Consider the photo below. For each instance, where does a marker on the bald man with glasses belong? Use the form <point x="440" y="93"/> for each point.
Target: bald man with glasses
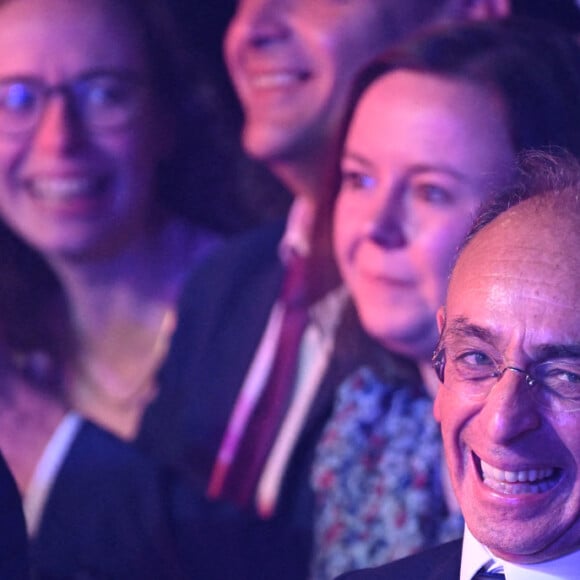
<point x="509" y="404"/>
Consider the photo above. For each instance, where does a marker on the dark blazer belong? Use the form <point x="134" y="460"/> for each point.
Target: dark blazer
<point x="222" y="316"/>
<point x="106" y="516"/>
<point x="13" y="542"/>
<point x="440" y="563"/>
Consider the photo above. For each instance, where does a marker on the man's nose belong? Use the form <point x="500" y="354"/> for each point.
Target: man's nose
<point x="266" y="22"/>
<point x="510" y="410"/>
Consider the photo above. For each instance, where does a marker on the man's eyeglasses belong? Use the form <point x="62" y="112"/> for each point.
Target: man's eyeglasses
<point x="102" y="101"/>
<point x="553" y="384"/>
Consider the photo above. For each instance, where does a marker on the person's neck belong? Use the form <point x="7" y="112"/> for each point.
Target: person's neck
<point x="148" y="269"/>
<point x="309" y="179"/>
<point x="306" y="175"/>
<point x="123" y="312"/>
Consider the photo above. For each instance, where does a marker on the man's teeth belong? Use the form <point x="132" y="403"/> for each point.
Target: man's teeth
<point x="518" y="482"/>
<point x="63" y="188"/>
<point x="274" y="80"/>
<point x="528" y="475"/>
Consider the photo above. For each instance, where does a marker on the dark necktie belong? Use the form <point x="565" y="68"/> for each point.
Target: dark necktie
<point x="483" y="575"/>
<point x="263" y="426"/>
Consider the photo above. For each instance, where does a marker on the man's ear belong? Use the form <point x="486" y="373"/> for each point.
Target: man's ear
<point x="440" y="324"/>
<point x="436" y="403"/>
<point x="440" y="318"/>
<point x="486" y="9"/>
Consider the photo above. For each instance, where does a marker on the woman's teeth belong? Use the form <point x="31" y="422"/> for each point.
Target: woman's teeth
<point x="58" y="188"/>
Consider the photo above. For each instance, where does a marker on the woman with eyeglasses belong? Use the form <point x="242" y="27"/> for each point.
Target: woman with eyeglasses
<point x="108" y="168"/>
<point x="434" y="129"/>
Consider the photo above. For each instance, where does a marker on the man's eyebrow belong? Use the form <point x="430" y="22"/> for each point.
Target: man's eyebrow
<point x="551" y="351"/>
<point x="460" y="327"/>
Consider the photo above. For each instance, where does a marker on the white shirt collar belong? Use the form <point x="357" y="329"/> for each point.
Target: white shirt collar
<point x="475" y="555"/>
<point x="47" y="470"/>
<point x="299" y="228"/>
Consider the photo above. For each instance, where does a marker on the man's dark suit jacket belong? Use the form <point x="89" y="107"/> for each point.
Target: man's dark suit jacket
<point x="13" y="542"/>
<point x="106" y="517"/>
<point x="222" y="317"/>
<point x="440" y="563"/>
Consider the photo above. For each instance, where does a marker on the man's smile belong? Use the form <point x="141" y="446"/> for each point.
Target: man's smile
<point x="518" y="481"/>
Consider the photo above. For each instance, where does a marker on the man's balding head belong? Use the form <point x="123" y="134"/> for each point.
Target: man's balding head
<point x="509" y="357"/>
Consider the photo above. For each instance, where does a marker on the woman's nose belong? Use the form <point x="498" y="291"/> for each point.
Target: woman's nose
<point x="60" y="127"/>
<point x="387" y="224"/>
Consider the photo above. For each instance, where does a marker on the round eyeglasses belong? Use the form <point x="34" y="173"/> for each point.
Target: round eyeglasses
<point x="102" y="101"/>
<point x="553" y="384"/>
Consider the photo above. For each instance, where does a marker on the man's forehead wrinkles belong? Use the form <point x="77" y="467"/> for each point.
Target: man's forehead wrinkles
<point x="549" y="289"/>
<point x="461" y="327"/>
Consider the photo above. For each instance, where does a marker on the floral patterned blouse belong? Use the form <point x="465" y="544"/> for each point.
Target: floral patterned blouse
<point x="376" y="477"/>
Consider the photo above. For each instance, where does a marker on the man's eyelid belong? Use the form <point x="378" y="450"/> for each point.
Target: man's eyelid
<point x="470" y="350"/>
<point x="566" y="365"/>
<point x="461" y="343"/>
